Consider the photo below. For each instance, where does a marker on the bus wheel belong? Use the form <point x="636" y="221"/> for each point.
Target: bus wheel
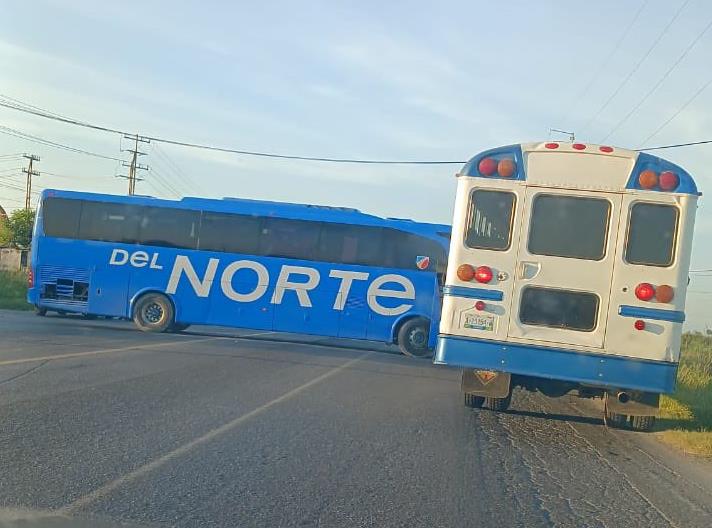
<point x="153" y="313"/>
<point x="642" y="423"/>
<point x="474" y="401"/>
<point x="498" y="404"/>
<point x="413" y="338"/>
<point x="40" y="311"/>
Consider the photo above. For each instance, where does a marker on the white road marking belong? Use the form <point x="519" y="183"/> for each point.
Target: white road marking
<point x="207" y="437"/>
<point x="101" y="351"/>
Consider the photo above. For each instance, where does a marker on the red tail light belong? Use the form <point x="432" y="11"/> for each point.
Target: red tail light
<point x="30" y="278"/>
<point x="668" y="180"/>
<point x="465" y="272"/>
<point x="639" y="324"/>
<point x="483" y="274"/>
<point x="480" y="305"/>
<point x="488" y="166"/>
<point x="645" y="291"/>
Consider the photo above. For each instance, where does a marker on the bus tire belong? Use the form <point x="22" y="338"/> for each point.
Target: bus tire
<point x="413" y="338"/>
<point x="153" y="312"/>
<point x="40" y="312"/>
<point x="642" y="424"/>
<point x="474" y="401"/>
<point x="498" y="404"/>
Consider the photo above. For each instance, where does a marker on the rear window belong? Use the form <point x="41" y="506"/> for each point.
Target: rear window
<point x="489" y="220"/>
<point x="571" y="310"/>
<point x="651" y="234"/>
<point x="569" y="226"/>
<point x="61" y="217"/>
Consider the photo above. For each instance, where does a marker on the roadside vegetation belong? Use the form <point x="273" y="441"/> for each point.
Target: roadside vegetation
<point x="13" y="290"/>
<point x="686" y="416"/>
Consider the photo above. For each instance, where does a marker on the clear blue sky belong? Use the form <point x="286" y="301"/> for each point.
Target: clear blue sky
<point x="409" y="80"/>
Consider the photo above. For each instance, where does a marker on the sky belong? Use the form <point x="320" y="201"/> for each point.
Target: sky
<point x="362" y="79"/>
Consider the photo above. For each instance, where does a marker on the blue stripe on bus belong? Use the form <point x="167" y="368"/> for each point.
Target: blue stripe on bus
<point x="651" y="313"/>
<point x="473" y="293"/>
<point x="557" y="363"/>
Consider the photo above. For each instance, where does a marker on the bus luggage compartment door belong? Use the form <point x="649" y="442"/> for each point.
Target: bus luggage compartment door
<point x="564" y="266"/>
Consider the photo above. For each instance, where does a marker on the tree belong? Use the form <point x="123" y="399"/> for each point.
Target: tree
<point x="20" y="224"/>
<point x="5" y="233"/>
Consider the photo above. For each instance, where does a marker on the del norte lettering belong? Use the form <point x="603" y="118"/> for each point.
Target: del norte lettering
<point x="298" y="279"/>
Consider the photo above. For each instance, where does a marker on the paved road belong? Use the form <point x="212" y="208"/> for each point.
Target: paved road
<point x="102" y="424"/>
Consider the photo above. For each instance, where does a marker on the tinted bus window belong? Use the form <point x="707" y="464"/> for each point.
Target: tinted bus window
<point x="568" y="226"/>
<point x="110" y="222"/>
<point x="559" y="308"/>
<point x="350" y="244"/>
<point x="230" y="233"/>
<point x="403" y="249"/>
<point x="161" y="226"/>
<point x="61" y="217"/>
<point x="651" y="234"/>
<point x="297" y="239"/>
<point x="489" y="221"/>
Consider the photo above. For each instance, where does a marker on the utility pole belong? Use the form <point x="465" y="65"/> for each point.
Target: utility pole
<point x="30" y="173"/>
<point x="133" y="165"/>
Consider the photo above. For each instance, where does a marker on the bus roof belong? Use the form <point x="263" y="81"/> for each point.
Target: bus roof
<point x="581" y="165"/>
<point x="246" y="206"/>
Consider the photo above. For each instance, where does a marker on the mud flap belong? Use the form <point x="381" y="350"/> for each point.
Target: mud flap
<point x="489" y="383"/>
<point x="639" y="404"/>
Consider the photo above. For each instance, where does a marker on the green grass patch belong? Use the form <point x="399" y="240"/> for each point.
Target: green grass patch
<point x="13" y="290"/>
<point x="686" y="415"/>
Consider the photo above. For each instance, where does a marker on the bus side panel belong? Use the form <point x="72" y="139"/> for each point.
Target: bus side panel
<point x="320" y="318"/>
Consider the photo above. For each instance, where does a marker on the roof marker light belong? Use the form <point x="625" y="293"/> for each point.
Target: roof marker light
<point x="605" y="149"/>
<point x="552" y="145"/>
<point x="578" y="146"/>
<point x="648" y="179"/>
<point x="668" y="180"/>
<point x="506" y="168"/>
<point x="487" y="166"/>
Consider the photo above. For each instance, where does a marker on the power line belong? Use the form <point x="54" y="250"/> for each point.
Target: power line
<point x="679" y="111"/>
<point x="677" y="145"/>
<point x="605" y="61"/>
<point x="659" y="82"/>
<point x="701" y="271"/>
<point x="636" y="67"/>
<point x="42" y="141"/>
<point x="226" y="149"/>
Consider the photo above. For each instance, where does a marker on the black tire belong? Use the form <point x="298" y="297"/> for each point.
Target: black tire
<point x="642" y="424"/>
<point x="179" y="327"/>
<point x="619" y="421"/>
<point x="413" y="338"/>
<point x="474" y="401"/>
<point x="40" y="312"/>
<point x="153" y="312"/>
<point x="498" y="404"/>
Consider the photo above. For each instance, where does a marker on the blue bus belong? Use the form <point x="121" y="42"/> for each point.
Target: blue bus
<point x="262" y="265"/>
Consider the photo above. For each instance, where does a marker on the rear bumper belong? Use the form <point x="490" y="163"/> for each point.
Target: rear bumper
<point x="555" y="363"/>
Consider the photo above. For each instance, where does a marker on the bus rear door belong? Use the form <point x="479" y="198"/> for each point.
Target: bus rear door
<point x="568" y="241"/>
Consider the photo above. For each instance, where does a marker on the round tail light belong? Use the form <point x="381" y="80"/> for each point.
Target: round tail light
<point x="645" y="291"/>
<point x="639" y="324"/>
<point x="668" y="180"/>
<point x="488" y="166"/>
<point x="480" y="305"/>
<point x="648" y="179"/>
<point x="506" y="168"/>
<point x="465" y="272"/>
<point x="664" y="293"/>
<point x="483" y="274"/>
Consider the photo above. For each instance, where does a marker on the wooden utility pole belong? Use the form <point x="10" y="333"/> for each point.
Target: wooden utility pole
<point x="30" y="173"/>
<point x="133" y="165"/>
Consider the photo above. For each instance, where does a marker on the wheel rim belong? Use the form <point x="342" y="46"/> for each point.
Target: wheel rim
<point x="152" y="313"/>
<point x="417" y="338"/>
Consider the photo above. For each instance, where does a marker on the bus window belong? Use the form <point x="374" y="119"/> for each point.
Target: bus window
<point x="651" y="234"/>
<point x="490" y="218"/>
<point x="402" y="250"/>
<point x="61" y="217"/>
<point x="166" y="227"/>
<point x="110" y="222"/>
<point x="350" y="244"/>
<point x="569" y="226"/>
<point x="296" y="239"/>
<point x="230" y="233"/>
<point x="558" y="308"/>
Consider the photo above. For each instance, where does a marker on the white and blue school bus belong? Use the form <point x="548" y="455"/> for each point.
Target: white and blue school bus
<point x="262" y="265"/>
<point x="567" y="273"/>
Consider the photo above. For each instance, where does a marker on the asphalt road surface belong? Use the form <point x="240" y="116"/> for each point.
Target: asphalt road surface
<point x="102" y="425"/>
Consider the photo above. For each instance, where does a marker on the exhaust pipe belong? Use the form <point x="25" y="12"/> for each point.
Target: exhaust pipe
<point x="623" y="397"/>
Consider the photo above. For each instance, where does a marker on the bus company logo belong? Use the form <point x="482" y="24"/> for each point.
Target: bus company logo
<point x="299" y="280"/>
<point x="422" y="262"/>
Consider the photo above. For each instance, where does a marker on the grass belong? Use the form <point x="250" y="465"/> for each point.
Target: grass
<point x="13" y="290"/>
<point x="686" y="415"/>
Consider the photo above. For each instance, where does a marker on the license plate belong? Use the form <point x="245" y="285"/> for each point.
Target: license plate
<point x="479" y="322"/>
